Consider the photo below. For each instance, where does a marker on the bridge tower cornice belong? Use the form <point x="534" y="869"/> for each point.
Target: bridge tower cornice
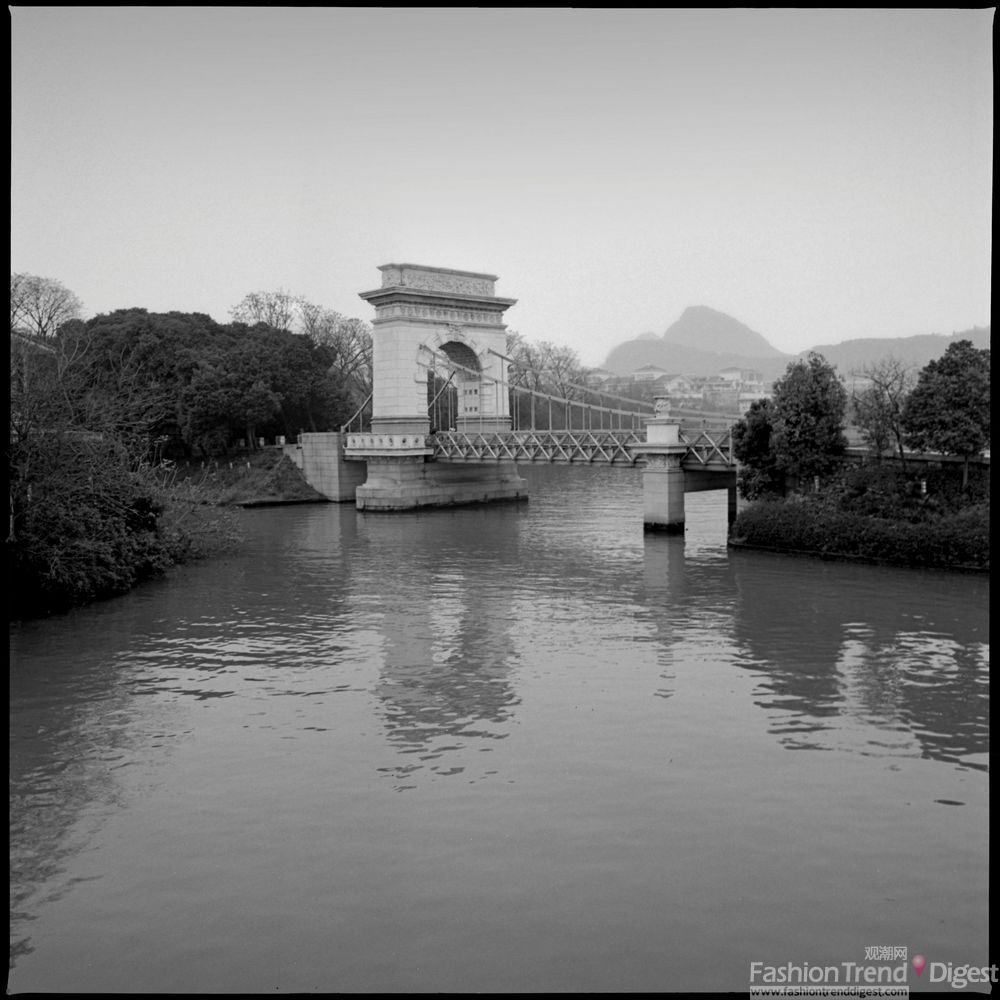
<point x="424" y="295"/>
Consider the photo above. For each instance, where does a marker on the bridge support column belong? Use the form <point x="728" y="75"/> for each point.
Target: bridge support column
<point x="663" y="479"/>
<point x="663" y="492"/>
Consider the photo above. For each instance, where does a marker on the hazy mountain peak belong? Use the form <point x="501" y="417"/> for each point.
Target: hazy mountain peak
<point x="710" y="330"/>
<point x="702" y="342"/>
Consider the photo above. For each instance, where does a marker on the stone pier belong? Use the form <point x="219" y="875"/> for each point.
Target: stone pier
<point x="663" y="478"/>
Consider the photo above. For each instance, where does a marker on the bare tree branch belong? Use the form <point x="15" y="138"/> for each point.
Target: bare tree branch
<point x="39" y="306"/>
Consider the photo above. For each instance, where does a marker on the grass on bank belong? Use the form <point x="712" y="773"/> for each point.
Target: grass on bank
<point x="263" y="477"/>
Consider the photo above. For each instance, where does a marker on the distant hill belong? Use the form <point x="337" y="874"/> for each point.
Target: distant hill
<point x="709" y="329"/>
<point x="852" y="355"/>
<point x="701" y="342"/>
<point x="704" y="340"/>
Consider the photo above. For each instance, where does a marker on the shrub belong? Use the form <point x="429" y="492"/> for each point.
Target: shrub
<point x="816" y="525"/>
<point x="86" y="523"/>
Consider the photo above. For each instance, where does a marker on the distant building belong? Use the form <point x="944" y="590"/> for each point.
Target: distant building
<point x="649" y="373"/>
<point x="747" y="383"/>
<point x="681" y="387"/>
<point x="742" y="376"/>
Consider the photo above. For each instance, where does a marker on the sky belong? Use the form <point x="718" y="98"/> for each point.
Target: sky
<point x="818" y="175"/>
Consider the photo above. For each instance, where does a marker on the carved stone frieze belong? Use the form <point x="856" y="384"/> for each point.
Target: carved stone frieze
<point x="436" y="313"/>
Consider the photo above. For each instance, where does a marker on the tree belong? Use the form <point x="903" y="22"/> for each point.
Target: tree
<point x="526" y="368"/>
<point x="39" y="306"/>
<point x="758" y="475"/>
<point x="277" y="309"/>
<point x="88" y="515"/>
<point x="547" y="368"/>
<point x="809" y="405"/>
<point x="878" y="408"/>
<point x="949" y="410"/>
<point x="236" y="391"/>
<point x="544" y="366"/>
<point x="138" y="367"/>
<point x="349" y="342"/>
<point x="305" y="376"/>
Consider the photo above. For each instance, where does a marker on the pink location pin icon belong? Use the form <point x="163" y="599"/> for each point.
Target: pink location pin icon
<point x="919" y="963"/>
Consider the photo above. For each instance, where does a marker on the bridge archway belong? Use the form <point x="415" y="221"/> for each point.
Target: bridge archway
<point x="462" y="354"/>
<point x="456" y="386"/>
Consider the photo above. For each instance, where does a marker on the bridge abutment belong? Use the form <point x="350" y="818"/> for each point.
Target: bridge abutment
<point x="320" y="458"/>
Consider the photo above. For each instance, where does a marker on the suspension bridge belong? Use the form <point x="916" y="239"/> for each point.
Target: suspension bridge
<point x="451" y="415"/>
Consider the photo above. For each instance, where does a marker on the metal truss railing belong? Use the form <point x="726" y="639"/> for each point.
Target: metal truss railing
<point x="583" y="446"/>
<point x="704" y="449"/>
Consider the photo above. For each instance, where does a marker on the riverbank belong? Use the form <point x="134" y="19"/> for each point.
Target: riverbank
<point x="265" y="478"/>
<point x="73" y="549"/>
<point x="850" y="557"/>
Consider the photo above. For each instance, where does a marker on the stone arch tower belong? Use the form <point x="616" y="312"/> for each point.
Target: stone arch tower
<point x="426" y="316"/>
<point x="422" y="309"/>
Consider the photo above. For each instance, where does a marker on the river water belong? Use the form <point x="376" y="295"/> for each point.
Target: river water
<point x="511" y="748"/>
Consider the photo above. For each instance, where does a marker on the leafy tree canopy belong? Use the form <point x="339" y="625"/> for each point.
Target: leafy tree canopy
<point x="949" y="410"/>
<point x="810" y="403"/>
<point x="192" y="384"/>
<point x="759" y="475"/>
